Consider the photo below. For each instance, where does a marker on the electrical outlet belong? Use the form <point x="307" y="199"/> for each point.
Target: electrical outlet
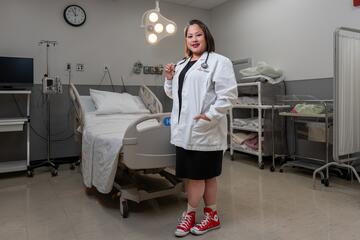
<point x="79" y="67"/>
<point x="68" y="66"/>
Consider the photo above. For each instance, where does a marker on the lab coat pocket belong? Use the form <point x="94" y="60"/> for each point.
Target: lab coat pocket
<point x="205" y="133"/>
<point x="203" y="126"/>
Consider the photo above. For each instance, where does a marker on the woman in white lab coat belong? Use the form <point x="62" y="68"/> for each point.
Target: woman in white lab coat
<point x="202" y="87"/>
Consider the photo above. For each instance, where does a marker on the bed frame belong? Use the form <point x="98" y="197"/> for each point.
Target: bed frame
<point x="144" y="164"/>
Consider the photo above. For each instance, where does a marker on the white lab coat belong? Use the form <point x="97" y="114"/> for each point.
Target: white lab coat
<point x="209" y="91"/>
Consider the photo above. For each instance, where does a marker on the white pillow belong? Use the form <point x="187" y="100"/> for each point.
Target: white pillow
<point x="87" y="104"/>
<point x="111" y="102"/>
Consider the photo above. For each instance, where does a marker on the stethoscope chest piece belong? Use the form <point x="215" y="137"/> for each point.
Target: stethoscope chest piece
<point x="204" y="65"/>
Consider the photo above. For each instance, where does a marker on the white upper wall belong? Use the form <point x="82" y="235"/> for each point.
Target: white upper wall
<point x="294" y="35"/>
<point x="111" y="36"/>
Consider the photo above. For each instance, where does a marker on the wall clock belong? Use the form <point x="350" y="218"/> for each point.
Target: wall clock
<point x="74" y="15"/>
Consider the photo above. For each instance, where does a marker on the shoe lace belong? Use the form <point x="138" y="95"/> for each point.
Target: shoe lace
<point x="206" y="220"/>
<point x="185" y="221"/>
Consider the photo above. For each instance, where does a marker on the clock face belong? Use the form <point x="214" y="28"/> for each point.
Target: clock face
<point x="74" y="15"/>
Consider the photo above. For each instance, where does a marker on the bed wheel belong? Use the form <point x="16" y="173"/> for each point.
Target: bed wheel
<point x="124" y="208"/>
<point x="72" y="166"/>
<point x="30" y="173"/>
<point x="54" y="172"/>
<point x="232" y="157"/>
<point x="272" y="169"/>
<point x="261" y="165"/>
<point x="326" y="182"/>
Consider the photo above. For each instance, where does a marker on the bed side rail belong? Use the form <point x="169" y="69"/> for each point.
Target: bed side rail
<point x="79" y="114"/>
<point x="150" y="100"/>
<point x="149" y="147"/>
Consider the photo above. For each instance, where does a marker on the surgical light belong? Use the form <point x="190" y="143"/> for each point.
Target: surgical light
<point x="154" y="23"/>
<point x="152" y="38"/>
<point x="170" y="28"/>
<point x="153" y="17"/>
<point x="159" y="28"/>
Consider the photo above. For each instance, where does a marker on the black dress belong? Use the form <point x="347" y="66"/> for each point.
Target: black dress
<point x="196" y="165"/>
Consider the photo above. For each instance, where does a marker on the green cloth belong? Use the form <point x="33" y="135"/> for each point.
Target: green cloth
<point x="309" y="108"/>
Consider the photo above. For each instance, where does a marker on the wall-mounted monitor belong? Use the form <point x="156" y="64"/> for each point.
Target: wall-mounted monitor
<point x="16" y="72"/>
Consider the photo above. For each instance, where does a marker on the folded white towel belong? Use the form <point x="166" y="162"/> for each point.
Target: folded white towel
<point x="260" y="78"/>
<point x="267" y="70"/>
<point x="263" y="70"/>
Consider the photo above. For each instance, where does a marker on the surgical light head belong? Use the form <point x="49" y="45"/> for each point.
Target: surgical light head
<point x="155" y="23"/>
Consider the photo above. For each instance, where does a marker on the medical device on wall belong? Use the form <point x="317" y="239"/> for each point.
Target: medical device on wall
<point x="156" y="25"/>
<point x="137" y="67"/>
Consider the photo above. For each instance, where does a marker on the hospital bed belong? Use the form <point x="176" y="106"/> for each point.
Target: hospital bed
<point x="127" y="152"/>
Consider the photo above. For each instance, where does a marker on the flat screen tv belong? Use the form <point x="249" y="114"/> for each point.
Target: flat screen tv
<point x="16" y="72"/>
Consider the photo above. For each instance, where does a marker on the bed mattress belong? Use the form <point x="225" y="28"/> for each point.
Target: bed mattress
<point x="101" y="144"/>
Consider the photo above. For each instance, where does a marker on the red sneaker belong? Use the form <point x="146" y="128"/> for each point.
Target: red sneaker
<point x="186" y="222"/>
<point x="210" y="221"/>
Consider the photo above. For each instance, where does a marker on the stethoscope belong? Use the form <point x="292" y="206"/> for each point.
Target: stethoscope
<point x="204" y="65"/>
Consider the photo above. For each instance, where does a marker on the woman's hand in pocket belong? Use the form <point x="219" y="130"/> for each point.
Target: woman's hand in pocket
<point x="202" y="116"/>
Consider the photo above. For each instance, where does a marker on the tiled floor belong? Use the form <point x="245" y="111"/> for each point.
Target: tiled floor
<point x="253" y="204"/>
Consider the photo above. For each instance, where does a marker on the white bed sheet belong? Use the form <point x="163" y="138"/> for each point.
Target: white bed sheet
<point x="101" y="143"/>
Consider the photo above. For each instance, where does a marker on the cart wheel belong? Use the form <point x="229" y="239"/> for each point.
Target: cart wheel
<point x="326" y="182"/>
<point x="281" y="170"/>
<point x="272" y="169"/>
<point x="72" y="166"/>
<point x="232" y="157"/>
<point x="54" y="172"/>
<point x="261" y="165"/>
<point x="124" y="208"/>
<point x="30" y="173"/>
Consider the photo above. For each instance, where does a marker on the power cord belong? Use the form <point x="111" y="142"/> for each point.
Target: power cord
<point x="107" y="71"/>
<point x="35" y="131"/>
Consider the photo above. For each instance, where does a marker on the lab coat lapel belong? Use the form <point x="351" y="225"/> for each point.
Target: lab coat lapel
<point x="182" y="66"/>
<point x="197" y="64"/>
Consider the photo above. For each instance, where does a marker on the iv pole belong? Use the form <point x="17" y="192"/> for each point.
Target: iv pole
<point x="47" y="162"/>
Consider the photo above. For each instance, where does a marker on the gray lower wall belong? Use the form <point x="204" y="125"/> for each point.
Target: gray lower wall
<point x="65" y="144"/>
<point x="321" y="89"/>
